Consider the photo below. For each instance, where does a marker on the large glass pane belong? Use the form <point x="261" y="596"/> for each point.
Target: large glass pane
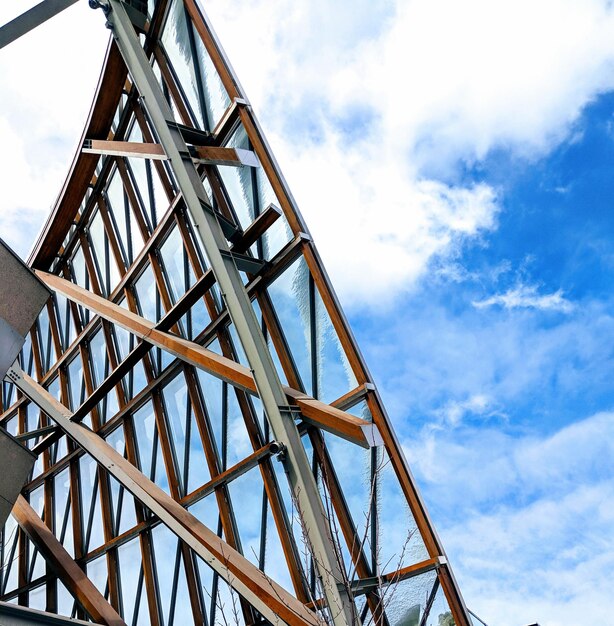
<point x="335" y="376"/>
<point x="176" y="42"/>
<point x="130" y="573"/>
<point x="128" y="233"/>
<point x="97" y="572"/>
<point x="66" y="324"/>
<point x="404" y="602"/>
<point x="148" y="445"/>
<point x="108" y="271"/>
<point x="215" y="96"/>
<point x="291" y="301"/>
<point x="172" y="586"/>
<point x="400" y="543"/>
<point x="36" y="563"/>
<point x="177" y="268"/>
<point x="10" y="556"/>
<point x="189" y="455"/>
<point x="62" y="516"/>
<point x="45" y="341"/>
<point x="90" y="503"/>
<point x="146" y="182"/>
<point x="76" y="383"/>
<point x="123" y="514"/>
<point x="147" y="295"/>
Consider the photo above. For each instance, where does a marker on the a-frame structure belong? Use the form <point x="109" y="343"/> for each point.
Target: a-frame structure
<point x="211" y="448"/>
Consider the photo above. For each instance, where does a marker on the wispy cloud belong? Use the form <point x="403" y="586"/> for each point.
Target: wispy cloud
<point x="526" y="518"/>
<point x="373" y="107"/>
<point x="527" y="297"/>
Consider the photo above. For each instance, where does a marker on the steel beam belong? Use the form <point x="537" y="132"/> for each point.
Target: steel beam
<point x="325" y="554"/>
<point x="32" y="18"/>
<point x="264" y="594"/>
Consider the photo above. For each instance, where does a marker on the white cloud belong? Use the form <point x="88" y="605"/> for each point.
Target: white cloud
<point x="527" y="297"/>
<point x="48" y="82"/>
<point x="454" y="411"/>
<point x="424" y="87"/>
<point x="527" y="519"/>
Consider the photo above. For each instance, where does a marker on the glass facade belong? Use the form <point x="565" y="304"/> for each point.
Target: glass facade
<point x="188" y="431"/>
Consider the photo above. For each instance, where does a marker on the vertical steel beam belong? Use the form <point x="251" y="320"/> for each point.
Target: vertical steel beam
<point x="308" y="502"/>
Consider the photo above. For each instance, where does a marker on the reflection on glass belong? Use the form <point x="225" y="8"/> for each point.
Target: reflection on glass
<point x="176" y="42"/>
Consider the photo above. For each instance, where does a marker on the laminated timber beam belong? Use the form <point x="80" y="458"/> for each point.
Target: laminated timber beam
<point x="270" y="599"/>
<point x="124" y="149"/>
<point x="314" y="411"/>
<point x="71" y="575"/>
<point x="208" y="155"/>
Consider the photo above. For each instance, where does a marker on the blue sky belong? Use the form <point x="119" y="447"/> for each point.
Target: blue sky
<point x="453" y="161"/>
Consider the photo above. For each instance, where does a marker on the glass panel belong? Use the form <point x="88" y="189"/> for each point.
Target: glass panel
<point x="45" y="340"/>
<point x="146" y="181"/>
<point x="290" y="298"/>
<point x="130" y="572"/>
<point x="36" y="566"/>
<point x="26" y="356"/>
<point x="168" y="562"/>
<point x="98" y="574"/>
<point x="58" y="450"/>
<point x="9" y="573"/>
<point x="405" y="601"/>
<point x="216" y="98"/>
<point x="237" y="439"/>
<point x="190" y="458"/>
<point x="123" y="513"/>
<point x="37" y="598"/>
<point x="62" y="522"/>
<point x="81" y="277"/>
<point x="352" y="466"/>
<point x="213" y="393"/>
<point x="103" y="258"/>
<point x="129" y="235"/>
<point x="76" y="383"/>
<point x="90" y="503"/>
<point x="148" y="445"/>
<point x="335" y="376"/>
<point x="176" y="42"/>
<point x="178" y="271"/>
<point x="400" y="543"/>
<point x="65" y="322"/>
<point x="98" y="357"/>
<point x="66" y="602"/>
<point x="147" y="295"/>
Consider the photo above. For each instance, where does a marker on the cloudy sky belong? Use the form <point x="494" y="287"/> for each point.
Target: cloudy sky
<point x="454" y="162"/>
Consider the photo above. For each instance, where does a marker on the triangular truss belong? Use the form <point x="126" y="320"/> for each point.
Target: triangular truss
<point x="211" y="447"/>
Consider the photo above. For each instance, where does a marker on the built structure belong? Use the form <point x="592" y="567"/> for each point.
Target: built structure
<point x="211" y="448"/>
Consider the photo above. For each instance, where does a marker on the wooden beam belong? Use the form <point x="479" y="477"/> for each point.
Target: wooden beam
<point x="237" y="157"/>
<point x="124" y="149"/>
<point x="71" y="575"/>
<point x="314" y="411"/>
